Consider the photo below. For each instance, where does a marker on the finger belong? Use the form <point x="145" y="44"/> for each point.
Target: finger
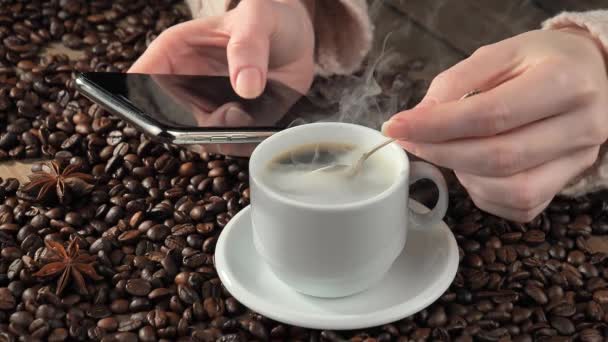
<point x="178" y="50"/>
<point x="529" y="189"/>
<point x="486" y="68"/>
<point x="249" y="46"/>
<point x="522" y="216"/>
<point x="510" y="153"/>
<point x="536" y="94"/>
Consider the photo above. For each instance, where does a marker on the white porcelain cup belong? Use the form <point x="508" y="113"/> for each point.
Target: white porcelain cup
<point x="335" y="250"/>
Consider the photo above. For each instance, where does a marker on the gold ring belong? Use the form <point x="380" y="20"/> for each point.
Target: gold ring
<point x="471" y="93"/>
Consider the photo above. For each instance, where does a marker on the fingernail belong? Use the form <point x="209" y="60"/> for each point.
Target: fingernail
<point x="249" y="83"/>
<point x="384" y="127"/>
<point x="236" y="117"/>
<point x="395" y="128"/>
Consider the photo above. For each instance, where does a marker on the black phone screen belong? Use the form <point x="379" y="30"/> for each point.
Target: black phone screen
<point x="207" y="102"/>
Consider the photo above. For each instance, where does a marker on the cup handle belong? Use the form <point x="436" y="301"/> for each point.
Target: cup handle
<point x="422" y="170"/>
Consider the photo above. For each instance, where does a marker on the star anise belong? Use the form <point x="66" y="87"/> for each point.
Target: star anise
<point x="72" y="263"/>
<point x="57" y="184"/>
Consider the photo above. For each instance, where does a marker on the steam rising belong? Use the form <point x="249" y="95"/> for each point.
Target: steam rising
<point x="359" y="98"/>
<point x="371" y="96"/>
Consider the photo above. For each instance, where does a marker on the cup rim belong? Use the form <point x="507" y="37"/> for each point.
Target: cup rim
<point x="402" y="175"/>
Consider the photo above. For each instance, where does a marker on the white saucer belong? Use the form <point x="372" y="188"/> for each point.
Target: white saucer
<point x="420" y="275"/>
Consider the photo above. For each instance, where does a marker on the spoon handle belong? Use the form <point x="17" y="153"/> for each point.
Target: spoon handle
<point x="370" y="152"/>
<point x="367" y="154"/>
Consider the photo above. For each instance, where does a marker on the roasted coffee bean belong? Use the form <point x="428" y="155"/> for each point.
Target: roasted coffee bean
<point x="7" y="301"/>
<point x="506" y="254"/>
<point x="438" y="318"/>
<point x="121" y="337"/>
<point x="534" y="236"/>
<point x="21" y="318"/>
<point x="138" y="287"/>
<point x="109" y="324"/>
<point x="601" y="296"/>
<point x="564" y="310"/>
<point x="576" y="257"/>
<point x="187" y="294"/>
<point x="147" y="334"/>
<point x="537" y="294"/>
<point x="58" y="334"/>
<point x="563" y="325"/>
<point x="595" y="311"/>
<point x="120" y="306"/>
<point x="158" y="232"/>
<point x="591" y="335"/>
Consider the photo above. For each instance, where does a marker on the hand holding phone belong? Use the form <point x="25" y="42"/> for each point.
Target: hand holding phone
<point x="256" y="41"/>
<point x="237" y="53"/>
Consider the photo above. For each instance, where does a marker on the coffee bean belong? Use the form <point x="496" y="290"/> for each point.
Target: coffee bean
<point x="109" y="324"/>
<point x="129" y="236"/>
<point x="58" y="334"/>
<point x="121" y="337"/>
<point x="119" y="306"/>
<point x="214" y="307"/>
<point x="564" y="310"/>
<point x="138" y="287"/>
<point x="158" y="232"/>
<point x="438" y="318"/>
<point x="534" y="236"/>
<point x="492" y="335"/>
<point x="130" y="323"/>
<point x="21" y="318"/>
<point x="576" y="257"/>
<point x="257" y="330"/>
<point x="595" y="311"/>
<point x="601" y="296"/>
<point x="147" y="334"/>
<point x="187" y="294"/>
<point x="98" y="311"/>
<point x="591" y="335"/>
<point x="563" y="325"/>
<point x="537" y="294"/>
<point x="506" y="254"/>
<point x="7" y="301"/>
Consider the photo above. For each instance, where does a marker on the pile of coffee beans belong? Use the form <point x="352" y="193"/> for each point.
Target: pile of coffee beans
<point x="155" y="211"/>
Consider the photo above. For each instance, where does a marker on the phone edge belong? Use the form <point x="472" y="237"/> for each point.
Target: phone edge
<point x="91" y="91"/>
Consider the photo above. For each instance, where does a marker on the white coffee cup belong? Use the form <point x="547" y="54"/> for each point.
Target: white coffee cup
<point x="335" y="250"/>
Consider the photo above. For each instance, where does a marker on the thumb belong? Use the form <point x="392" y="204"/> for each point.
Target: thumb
<point x="248" y="47"/>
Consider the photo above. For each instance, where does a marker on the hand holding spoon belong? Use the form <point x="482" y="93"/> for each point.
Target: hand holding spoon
<point x="351" y="170"/>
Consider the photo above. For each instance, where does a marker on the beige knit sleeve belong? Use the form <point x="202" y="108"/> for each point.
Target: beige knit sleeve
<point x="343" y="31"/>
<point x="596" y="22"/>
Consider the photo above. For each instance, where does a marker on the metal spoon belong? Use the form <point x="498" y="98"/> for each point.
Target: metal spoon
<point x="351" y="170"/>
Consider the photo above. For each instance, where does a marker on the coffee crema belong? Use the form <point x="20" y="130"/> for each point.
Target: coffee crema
<point x="289" y="174"/>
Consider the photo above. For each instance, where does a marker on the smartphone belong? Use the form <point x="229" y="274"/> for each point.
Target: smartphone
<point x="191" y="109"/>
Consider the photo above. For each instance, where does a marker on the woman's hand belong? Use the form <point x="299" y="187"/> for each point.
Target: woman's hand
<point x="256" y="41"/>
<point x="538" y="123"/>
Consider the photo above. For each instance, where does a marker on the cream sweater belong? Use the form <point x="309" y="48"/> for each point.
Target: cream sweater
<point x="342" y="51"/>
